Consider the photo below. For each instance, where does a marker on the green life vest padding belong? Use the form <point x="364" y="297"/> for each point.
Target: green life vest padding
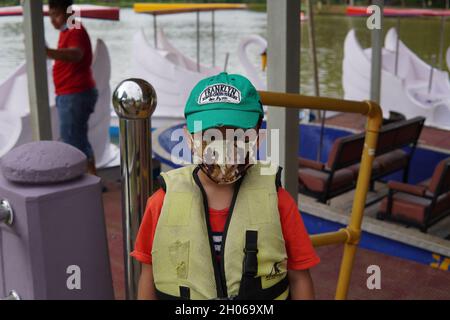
<point x="184" y="262"/>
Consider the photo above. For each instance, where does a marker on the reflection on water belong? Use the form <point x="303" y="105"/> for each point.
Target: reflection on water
<point x="421" y="35"/>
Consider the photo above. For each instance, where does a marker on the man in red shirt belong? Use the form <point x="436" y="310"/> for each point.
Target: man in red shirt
<point x="76" y="94"/>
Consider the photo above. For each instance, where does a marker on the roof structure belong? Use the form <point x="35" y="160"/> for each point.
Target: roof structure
<point x="86" y="11"/>
<point x="397" y="12"/>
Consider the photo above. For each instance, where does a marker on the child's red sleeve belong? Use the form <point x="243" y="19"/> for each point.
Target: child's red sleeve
<point x="144" y="240"/>
<point x="301" y="254"/>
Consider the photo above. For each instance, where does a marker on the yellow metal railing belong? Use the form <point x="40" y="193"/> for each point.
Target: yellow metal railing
<point x="350" y="235"/>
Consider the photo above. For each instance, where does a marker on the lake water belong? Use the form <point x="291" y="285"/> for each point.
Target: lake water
<point x="421" y="35"/>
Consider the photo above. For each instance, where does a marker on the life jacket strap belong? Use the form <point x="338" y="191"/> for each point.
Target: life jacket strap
<point x="185" y="293"/>
<point x="250" y="268"/>
<point x="251" y="287"/>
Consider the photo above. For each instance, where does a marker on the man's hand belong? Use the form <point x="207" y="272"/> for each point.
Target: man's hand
<point x="66" y="54"/>
<point x="300" y="285"/>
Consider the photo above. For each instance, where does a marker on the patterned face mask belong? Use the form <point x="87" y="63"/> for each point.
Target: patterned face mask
<point x="224" y="162"/>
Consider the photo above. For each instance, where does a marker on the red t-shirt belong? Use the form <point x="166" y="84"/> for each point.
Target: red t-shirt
<point x="300" y="252"/>
<point x="74" y="77"/>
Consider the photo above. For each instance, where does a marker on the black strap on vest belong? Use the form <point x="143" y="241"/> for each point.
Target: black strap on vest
<point x="185" y="293"/>
<point x="250" y="268"/>
<point x="251" y="287"/>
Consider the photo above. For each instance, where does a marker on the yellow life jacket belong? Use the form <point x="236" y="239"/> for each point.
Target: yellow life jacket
<point x="253" y="261"/>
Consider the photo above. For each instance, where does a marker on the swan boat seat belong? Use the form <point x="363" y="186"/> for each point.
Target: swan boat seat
<point x="339" y="174"/>
<point x="419" y="205"/>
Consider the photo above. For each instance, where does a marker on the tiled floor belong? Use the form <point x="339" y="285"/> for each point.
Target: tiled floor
<point x="400" y="279"/>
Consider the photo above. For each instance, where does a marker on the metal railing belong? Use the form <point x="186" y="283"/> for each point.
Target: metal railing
<point x="350" y="235"/>
<point x="135" y="101"/>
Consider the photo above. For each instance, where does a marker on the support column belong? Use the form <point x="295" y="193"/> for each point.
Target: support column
<point x="36" y="69"/>
<point x="283" y="75"/>
<point x="377" y="44"/>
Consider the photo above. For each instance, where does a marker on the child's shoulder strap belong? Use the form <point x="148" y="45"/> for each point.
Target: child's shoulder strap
<point x="278" y="183"/>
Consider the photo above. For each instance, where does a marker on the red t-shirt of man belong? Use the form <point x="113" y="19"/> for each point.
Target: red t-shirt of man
<point x="299" y="249"/>
<point x="74" y="77"/>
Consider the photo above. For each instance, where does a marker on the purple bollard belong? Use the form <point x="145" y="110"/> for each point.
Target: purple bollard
<point x="53" y="242"/>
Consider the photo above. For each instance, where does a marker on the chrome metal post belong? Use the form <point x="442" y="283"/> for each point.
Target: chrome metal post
<point x="6" y="212"/>
<point x="134" y="101"/>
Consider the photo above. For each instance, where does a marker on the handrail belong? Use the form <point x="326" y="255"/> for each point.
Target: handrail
<point x="350" y="235"/>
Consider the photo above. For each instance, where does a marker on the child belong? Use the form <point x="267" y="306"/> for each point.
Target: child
<point x="223" y="231"/>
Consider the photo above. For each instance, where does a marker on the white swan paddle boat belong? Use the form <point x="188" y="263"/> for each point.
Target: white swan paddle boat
<point x="412" y="88"/>
<point x="172" y="73"/>
<point x="15" y="110"/>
